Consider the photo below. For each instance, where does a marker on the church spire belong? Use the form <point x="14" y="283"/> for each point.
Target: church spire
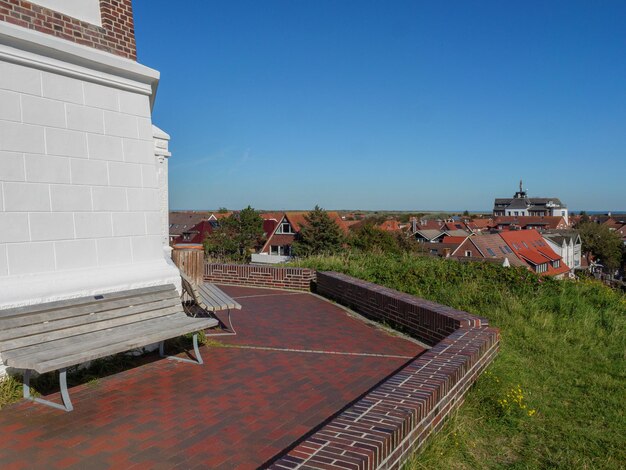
<point x="520" y="186"/>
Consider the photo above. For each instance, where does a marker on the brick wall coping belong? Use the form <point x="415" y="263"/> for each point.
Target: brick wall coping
<point x="383" y="428"/>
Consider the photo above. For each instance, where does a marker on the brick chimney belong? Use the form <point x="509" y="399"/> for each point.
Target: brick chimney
<point x="106" y="25"/>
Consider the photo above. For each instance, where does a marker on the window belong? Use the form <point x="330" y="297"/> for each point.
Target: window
<point x="524" y="243"/>
<point x="502" y="250"/>
<point x="285" y="227"/>
<point x="468" y="253"/>
<point x="556" y="264"/>
<point x="491" y="252"/>
<point x="541" y="268"/>
<point x="186" y="236"/>
<point x="516" y="246"/>
<point x="516" y="213"/>
<point x="280" y="250"/>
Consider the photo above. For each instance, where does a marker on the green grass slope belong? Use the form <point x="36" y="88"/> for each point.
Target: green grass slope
<point x="555" y="395"/>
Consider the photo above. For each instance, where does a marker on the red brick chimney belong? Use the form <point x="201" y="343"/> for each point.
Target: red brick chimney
<point x="115" y="35"/>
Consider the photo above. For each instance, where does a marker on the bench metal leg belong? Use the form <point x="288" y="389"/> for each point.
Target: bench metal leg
<point x="196" y="351"/>
<point x="67" y="403"/>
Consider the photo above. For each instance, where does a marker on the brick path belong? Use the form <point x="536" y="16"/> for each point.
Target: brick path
<point x="242" y="408"/>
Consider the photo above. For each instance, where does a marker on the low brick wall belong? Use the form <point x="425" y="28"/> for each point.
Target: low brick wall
<point x="422" y="319"/>
<point x="260" y="276"/>
<point x="383" y="429"/>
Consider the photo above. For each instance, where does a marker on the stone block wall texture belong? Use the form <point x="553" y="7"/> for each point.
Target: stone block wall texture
<point x="78" y="174"/>
<point x="383" y="429"/>
<point x="260" y="276"/>
<point x="116" y="35"/>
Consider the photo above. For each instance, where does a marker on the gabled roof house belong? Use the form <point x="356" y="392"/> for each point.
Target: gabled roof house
<point x="277" y="248"/>
<point x="531" y="247"/>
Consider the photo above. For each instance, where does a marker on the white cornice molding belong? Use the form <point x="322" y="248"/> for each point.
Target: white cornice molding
<point x="43" y="51"/>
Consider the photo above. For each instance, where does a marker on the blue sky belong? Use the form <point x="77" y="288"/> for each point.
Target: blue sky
<point x="389" y="105"/>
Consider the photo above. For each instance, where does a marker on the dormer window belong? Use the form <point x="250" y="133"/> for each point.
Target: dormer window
<point x="285" y="228"/>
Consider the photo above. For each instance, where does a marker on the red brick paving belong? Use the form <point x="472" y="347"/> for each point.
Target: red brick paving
<point x="240" y="409"/>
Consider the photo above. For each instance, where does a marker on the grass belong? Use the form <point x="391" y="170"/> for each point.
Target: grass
<point x="563" y="350"/>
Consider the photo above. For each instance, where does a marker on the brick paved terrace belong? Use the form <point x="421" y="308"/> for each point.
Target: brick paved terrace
<point x="297" y="362"/>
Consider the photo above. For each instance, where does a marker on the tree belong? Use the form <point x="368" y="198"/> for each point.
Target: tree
<point x="319" y="235"/>
<point x="370" y="238"/>
<point x="223" y="210"/>
<point x="603" y="243"/>
<point x="235" y="236"/>
<point x="466" y="213"/>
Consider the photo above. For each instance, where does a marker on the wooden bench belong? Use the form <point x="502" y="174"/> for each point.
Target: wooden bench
<point x="57" y="335"/>
<point x="209" y="297"/>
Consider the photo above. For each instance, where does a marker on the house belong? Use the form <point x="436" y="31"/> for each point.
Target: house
<point x="529" y="223"/>
<point x="522" y="205"/>
<point x="617" y="224"/>
<point x="445" y="248"/>
<point x="454" y="226"/>
<point x="196" y="234"/>
<point x="567" y="244"/>
<point x="277" y="248"/>
<point x="478" y="225"/>
<point x="531" y="247"/>
<point x="489" y="247"/>
<point x="83" y="169"/>
<point x="429" y="235"/>
<point x="182" y="223"/>
<point x="525" y="248"/>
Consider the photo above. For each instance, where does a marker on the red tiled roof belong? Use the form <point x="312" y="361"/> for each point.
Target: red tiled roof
<point x="531" y="255"/>
<point x="390" y="226"/>
<point x="277" y="216"/>
<point x="479" y="223"/>
<point x="297" y="220"/>
<point x="222" y="215"/>
<point x="453" y="240"/>
<point x="429" y="224"/>
<point x="530" y="245"/>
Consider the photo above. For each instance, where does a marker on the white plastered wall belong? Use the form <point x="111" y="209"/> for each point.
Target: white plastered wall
<point x="82" y="176"/>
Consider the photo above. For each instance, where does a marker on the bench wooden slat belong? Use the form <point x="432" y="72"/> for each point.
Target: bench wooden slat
<point x="29" y="330"/>
<point x="219" y="294"/>
<point x="208" y="294"/>
<point x="126" y="320"/>
<point x="87" y="341"/>
<point x="151" y="336"/>
<point x="84" y="308"/>
<point x="211" y="302"/>
<point x="82" y="301"/>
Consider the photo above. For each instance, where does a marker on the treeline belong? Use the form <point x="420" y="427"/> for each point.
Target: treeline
<point x="241" y="234"/>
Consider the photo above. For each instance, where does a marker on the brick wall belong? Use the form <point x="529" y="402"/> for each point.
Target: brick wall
<point x="383" y="429"/>
<point x="260" y="276"/>
<point x="426" y="321"/>
<point x="116" y="35"/>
